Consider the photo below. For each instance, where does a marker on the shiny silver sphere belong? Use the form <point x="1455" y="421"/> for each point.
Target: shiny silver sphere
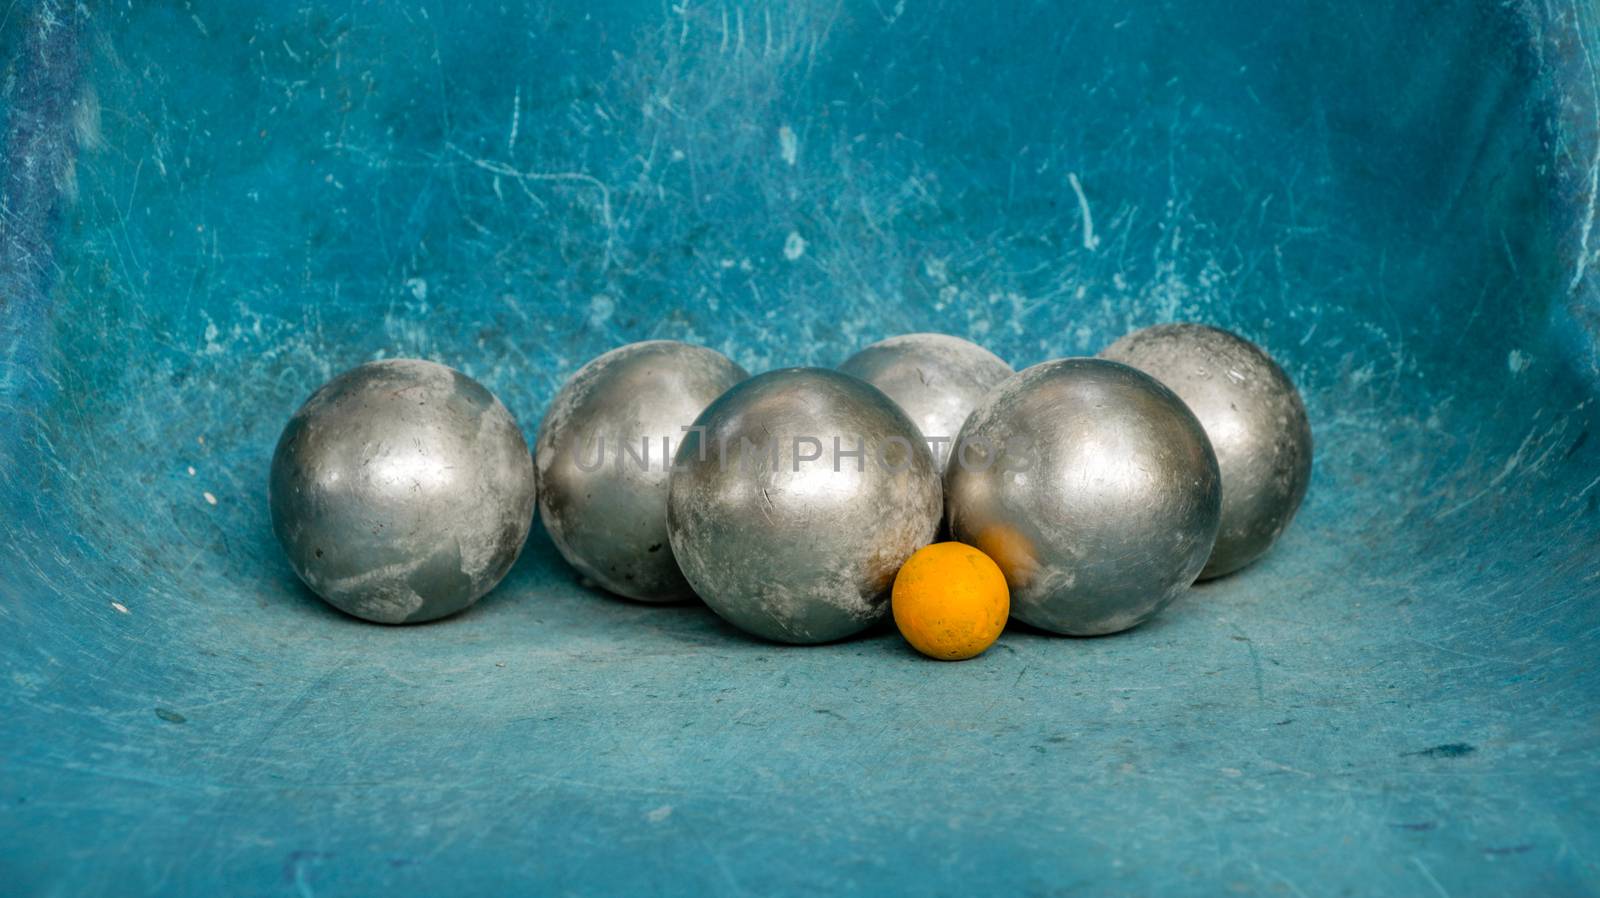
<point x="603" y="455"/>
<point x="402" y="491"/>
<point x="1093" y="487"/>
<point x="797" y="499"/>
<point x="937" y="380"/>
<point x="1255" y="419"/>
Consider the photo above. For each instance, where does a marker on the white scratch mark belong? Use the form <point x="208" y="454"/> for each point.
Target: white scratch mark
<point x="1285" y="880"/>
<point x="121" y="608"/>
<point x="1585" y="491"/>
<point x="1428" y="875"/>
<point x="526" y="177"/>
<point x="788" y="145"/>
<point x="1287" y="769"/>
<point x="1510" y="466"/>
<point x="516" y="120"/>
<point x="1594" y="167"/>
<point x="1090" y="241"/>
<point x="1513" y="461"/>
<point x="794" y="246"/>
<point x="210" y="499"/>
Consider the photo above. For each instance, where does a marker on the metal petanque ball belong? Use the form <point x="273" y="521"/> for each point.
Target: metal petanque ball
<point x="1093" y="487"/>
<point x="795" y="501"/>
<point x="603" y="454"/>
<point x="402" y="491"/>
<point x="936" y="379"/>
<point x="1255" y="419"/>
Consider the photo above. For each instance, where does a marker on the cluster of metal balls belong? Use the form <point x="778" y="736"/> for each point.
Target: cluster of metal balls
<point x="403" y="491"/>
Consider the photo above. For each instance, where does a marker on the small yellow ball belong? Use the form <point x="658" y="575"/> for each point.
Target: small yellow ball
<point x="950" y="601"/>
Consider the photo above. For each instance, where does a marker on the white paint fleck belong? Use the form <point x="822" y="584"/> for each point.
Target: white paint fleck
<point x="788" y="145"/>
<point x="191" y="470"/>
<point x="210" y="499"/>
<point x="794" y="247"/>
<point x="212" y="346"/>
<point x="1518" y="361"/>
<point x="601" y="307"/>
<point x="121" y="608"/>
<point x="659" y="814"/>
<point x="418" y="288"/>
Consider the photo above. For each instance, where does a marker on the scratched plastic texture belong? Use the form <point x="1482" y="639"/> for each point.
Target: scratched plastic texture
<point x="210" y="208"/>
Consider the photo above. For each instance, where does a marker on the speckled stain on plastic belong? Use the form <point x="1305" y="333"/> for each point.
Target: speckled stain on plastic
<point x="210" y="210"/>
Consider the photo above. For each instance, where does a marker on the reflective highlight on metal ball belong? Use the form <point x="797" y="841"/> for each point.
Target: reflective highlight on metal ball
<point x="797" y="500"/>
<point x="936" y="379"/>
<point x="603" y="455"/>
<point x="1093" y="487"/>
<point x="1255" y="419"/>
<point x="402" y="491"/>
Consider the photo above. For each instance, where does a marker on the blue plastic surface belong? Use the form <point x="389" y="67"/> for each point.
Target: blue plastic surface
<point x="210" y="208"/>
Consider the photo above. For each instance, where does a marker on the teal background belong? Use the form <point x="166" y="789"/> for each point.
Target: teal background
<point x="210" y="208"/>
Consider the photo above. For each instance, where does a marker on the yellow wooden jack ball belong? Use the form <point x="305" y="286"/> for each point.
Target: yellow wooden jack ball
<point x="950" y="601"/>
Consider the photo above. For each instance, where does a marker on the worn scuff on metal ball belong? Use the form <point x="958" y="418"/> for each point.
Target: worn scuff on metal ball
<point x="402" y="491"/>
<point x="935" y="378"/>
<point x="603" y="455"/>
<point x="1093" y="487"/>
<point x="796" y="500"/>
<point x="1256" y="421"/>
